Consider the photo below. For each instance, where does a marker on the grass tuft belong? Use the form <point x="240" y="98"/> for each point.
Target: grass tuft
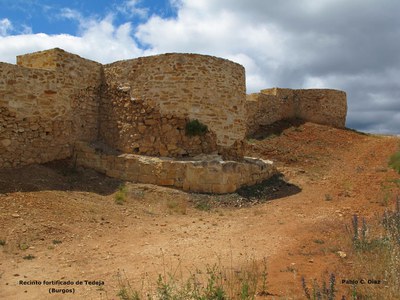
<point x="394" y="162"/>
<point x="120" y="196"/>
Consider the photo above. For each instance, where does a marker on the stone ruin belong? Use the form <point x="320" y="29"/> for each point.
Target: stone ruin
<point x="129" y="119"/>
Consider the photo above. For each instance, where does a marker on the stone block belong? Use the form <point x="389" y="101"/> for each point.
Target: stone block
<point x="166" y="182"/>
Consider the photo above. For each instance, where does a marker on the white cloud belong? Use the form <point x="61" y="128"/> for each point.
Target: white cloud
<point x="99" y="40"/>
<point x="5" y="26"/>
<point x="132" y="9"/>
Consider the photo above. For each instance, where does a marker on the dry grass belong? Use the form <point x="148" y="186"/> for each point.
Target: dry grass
<point x="208" y="283"/>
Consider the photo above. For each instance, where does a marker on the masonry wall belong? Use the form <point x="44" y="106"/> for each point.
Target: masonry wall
<point x="53" y="98"/>
<point x="208" y="175"/>
<point x="47" y="102"/>
<point x="177" y="87"/>
<point x="322" y="106"/>
<point x="136" y="126"/>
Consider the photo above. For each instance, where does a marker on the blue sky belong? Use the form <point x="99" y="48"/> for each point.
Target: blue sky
<point x="49" y="16"/>
<point x="348" y="45"/>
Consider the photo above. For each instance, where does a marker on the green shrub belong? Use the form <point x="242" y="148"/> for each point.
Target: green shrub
<point x="394" y="162"/>
<point x="120" y="196"/>
<point x="195" y="127"/>
<point x="29" y="257"/>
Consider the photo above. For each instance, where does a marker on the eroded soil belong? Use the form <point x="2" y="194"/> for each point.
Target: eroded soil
<point x="68" y="223"/>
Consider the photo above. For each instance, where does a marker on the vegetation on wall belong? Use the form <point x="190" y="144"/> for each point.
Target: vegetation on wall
<point x="195" y="127"/>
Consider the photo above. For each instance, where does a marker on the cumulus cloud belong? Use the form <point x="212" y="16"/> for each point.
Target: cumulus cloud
<point x="98" y="40"/>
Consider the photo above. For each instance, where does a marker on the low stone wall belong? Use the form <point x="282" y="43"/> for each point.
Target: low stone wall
<point x="322" y="106"/>
<point x="207" y="174"/>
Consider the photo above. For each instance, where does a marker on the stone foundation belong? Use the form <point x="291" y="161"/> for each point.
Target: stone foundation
<point x="205" y="173"/>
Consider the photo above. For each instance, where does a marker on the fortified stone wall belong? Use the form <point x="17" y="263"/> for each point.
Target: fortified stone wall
<point x="44" y="111"/>
<point x="51" y="99"/>
<point x="323" y="106"/>
<point x="185" y="86"/>
<point x="135" y="126"/>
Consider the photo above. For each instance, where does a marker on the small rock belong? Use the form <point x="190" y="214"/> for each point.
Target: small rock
<point x="124" y="88"/>
<point x="15" y="215"/>
<point x="311" y="260"/>
<point x="6" y="142"/>
<point x="341" y="254"/>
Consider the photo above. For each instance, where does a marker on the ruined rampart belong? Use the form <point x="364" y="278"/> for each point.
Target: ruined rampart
<point x="322" y="106"/>
<point x="47" y="102"/>
<point x="54" y="104"/>
<point x="150" y="99"/>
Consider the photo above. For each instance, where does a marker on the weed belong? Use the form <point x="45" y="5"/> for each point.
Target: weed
<point x="319" y="241"/>
<point x="23" y="246"/>
<point x="325" y="291"/>
<point x="251" y="141"/>
<point x="264" y="275"/>
<point x="328" y="197"/>
<point x="2" y="242"/>
<point x="272" y="136"/>
<point x="290" y="269"/>
<point x="391" y="223"/>
<point x="195" y="127"/>
<point x="203" y="205"/>
<point x="394" y="161"/>
<point x="386" y="197"/>
<point x="126" y="292"/>
<point x="120" y="196"/>
<point x="216" y="283"/>
<point x="29" y="257"/>
<point x="56" y="242"/>
<point x="177" y="206"/>
<point x="360" y="240"/>
<point x="305" y="288"/>
<point x="377" y="256"/>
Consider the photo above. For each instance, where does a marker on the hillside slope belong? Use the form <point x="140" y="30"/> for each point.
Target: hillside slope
<point x="69" y="221"/>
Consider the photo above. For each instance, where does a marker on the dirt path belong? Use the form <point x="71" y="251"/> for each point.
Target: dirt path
<point x="75" y="231"/>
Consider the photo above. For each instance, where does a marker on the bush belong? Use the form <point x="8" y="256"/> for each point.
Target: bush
<point x="394" y="162"/>
<point x="195" y="127"/>
<point x="120" y="196"/>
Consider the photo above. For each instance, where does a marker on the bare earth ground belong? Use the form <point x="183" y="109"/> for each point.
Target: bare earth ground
<point x="69" y="221"/>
